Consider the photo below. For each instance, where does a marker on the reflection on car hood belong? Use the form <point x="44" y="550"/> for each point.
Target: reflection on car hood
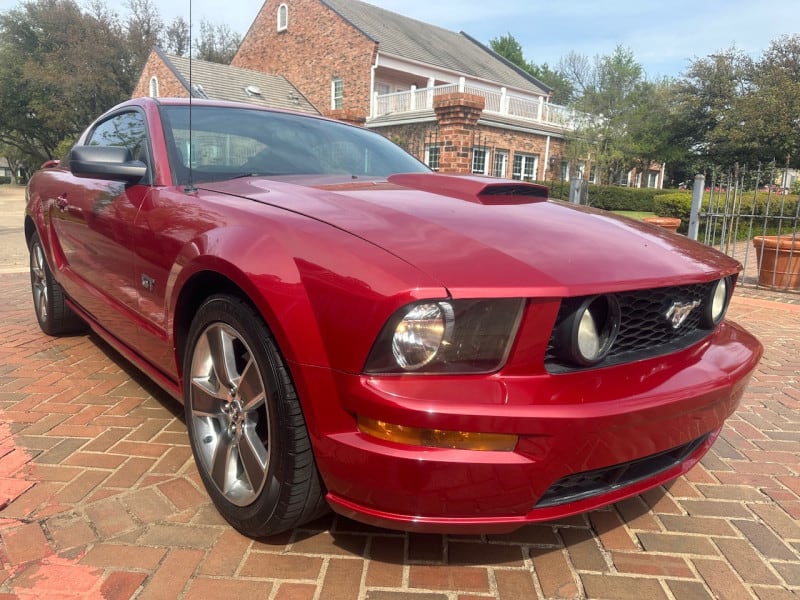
<point x="515" y="245"/>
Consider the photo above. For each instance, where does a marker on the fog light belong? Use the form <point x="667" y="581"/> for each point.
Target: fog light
<point x="436" y="438"/>
<point x="720" y="295"/>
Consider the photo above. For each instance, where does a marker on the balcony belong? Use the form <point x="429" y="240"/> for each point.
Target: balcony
<point x="498" y="102"/>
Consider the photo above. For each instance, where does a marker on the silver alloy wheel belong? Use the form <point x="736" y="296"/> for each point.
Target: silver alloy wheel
<point x="228" y="414"/>
<point x="39" y="281"/>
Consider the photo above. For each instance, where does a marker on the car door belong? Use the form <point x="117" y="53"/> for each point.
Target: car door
<point x="94" y="222"/>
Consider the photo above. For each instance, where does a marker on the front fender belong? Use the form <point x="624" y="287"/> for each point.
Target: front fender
<point x="324" y="293"/>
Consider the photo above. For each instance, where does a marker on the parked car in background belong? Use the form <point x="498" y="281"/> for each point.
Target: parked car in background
<point x="348" y="329"/>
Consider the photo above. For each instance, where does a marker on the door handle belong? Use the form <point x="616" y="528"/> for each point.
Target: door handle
<point x="62" y="203"/>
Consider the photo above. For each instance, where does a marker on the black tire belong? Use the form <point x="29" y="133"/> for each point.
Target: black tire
<point x="246" y="426"/>
<point x="49" y="300"/>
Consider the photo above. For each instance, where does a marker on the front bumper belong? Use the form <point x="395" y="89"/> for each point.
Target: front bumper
<point x="652" y="419"/>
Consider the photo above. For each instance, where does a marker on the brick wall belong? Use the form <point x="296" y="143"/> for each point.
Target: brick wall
<point x="458" y="132"/>
<point x="169" y="86"/>
<point x="317" y="46"/>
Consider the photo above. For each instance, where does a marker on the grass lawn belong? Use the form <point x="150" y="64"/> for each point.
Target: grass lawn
<point x="634" y="214"/>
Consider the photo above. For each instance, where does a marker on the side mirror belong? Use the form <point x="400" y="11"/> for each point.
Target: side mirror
<point x="106" y="162"/>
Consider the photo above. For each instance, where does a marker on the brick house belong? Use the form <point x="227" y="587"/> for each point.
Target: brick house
<point x="445" y="97"/>
<point x="442" y="95"/>
<point x="165" y="75"/>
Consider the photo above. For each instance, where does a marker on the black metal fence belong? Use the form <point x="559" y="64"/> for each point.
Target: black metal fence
<point x="753" y="215"/>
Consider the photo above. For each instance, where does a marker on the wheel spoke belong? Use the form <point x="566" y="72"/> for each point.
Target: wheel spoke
<point x="253" y="456"/>
<point x="223" y="463"/>
<point x="251" y="389"/>
<point x="223" y="357"/>
<point x="205" y="400"/>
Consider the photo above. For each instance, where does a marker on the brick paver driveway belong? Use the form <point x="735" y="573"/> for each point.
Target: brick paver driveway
<point x="99" y="498"/>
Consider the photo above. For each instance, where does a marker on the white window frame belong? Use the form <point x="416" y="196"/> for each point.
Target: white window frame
<point x="337" y="93"/>
<point x="652" y="179"/>
<point x="480" y="162"/>
<point x="283" y="17"/>
<point x="500" y="163"/>
<point x="433" y="156"/>
<point x="528" y="165"/>
<point x="153" y="87"/>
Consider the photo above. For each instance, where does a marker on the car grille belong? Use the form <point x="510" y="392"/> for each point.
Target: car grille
<point x="644" y="330"/>
<point x="601" y="481"/>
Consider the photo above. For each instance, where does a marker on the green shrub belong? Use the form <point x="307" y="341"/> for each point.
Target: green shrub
<point x="674" y="204"/>
<point x="613" y="197"/>
<point x="610" y="197"/>
<point x="4" y="179"/>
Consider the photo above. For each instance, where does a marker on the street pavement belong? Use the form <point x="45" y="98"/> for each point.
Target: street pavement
<point x="100" y="498"/>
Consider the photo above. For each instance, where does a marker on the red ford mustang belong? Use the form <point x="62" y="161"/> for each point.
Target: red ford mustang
<point x="347" y="329"/>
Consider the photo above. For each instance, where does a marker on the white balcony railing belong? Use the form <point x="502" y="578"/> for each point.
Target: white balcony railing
<point x="497" y="102"/>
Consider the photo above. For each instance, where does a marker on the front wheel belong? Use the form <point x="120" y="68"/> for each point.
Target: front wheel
<point x="246" y="427"/>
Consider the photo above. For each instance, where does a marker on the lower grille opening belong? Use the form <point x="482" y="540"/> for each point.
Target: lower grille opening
<point x="601" y="481"/>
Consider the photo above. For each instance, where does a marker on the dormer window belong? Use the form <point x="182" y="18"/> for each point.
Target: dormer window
<point x="283" y="17"/>
<point x="154" y="87"/>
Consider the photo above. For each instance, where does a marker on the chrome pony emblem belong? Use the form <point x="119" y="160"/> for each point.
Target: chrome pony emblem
<point x="679" y="311"/>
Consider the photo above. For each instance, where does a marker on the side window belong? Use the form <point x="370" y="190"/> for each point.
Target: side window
<point x="125" y="129"/>
<point x="337" y="93"/>
<point x="283" y="17"/>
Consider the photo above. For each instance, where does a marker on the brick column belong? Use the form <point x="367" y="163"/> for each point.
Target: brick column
<point x="458" y="115"/>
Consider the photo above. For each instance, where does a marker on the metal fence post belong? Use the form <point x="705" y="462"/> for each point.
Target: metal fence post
<point x="697" y="201"/>
<point x="575" y="185"/>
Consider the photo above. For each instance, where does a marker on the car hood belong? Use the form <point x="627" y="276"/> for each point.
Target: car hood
<point x="475" y="234"/>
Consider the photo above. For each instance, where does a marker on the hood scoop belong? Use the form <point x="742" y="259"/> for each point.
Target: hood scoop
<point x="474" y="188"/>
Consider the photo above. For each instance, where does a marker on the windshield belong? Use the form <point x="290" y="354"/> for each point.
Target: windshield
<point x="228" y="142"/>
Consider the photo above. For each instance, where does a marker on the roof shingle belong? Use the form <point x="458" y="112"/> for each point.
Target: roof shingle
<point x="416" y="40"/>
<point x="223" y="82"/>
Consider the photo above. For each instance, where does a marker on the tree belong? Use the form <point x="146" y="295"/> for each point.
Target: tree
<point x="770" y="113"/>
<point x="708" y="97"/>
<point x="606" y="91"/>
<point x="176" y="37"/>
<point x="509" y="48"/>
<point x="562" y="89"/>
<point x="217" y="43"/>
<point x="61" y="67"/>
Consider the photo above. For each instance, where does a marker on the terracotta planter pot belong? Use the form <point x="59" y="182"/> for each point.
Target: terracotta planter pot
<point x="778" y="261"/>
<point x="670" y="223"/>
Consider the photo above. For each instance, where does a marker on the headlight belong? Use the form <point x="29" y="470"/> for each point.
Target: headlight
<point x="420" y="333"/>
<point x="587" y="334"/>
<point x="447" y="336"/>
<point x="717" y="303"/>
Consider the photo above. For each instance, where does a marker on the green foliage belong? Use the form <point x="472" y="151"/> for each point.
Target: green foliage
<point x="509" y="48"/>
<point x="674" y="204"/>
<point x="766" y="208"/>
<point x="217" y="43"/>
<point x="611" y="197"/>
<point x="4" y="179"/>
<point x="61" y="66"/>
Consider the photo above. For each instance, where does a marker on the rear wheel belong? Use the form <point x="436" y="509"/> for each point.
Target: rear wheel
<point x="49" y="300"/>
<point x="246" y="427"/>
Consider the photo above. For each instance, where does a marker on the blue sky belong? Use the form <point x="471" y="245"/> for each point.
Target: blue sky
<point x="664" y="36"/>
